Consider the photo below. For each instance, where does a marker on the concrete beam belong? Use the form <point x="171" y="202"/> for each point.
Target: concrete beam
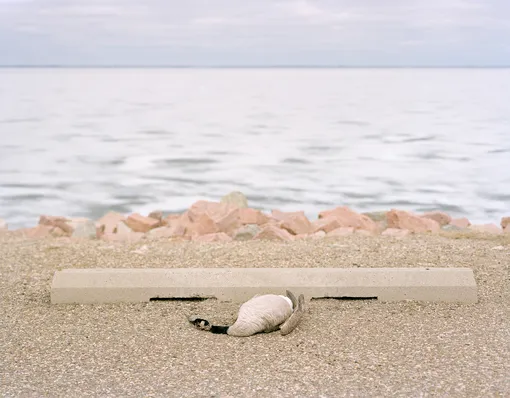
<point x="240" y="284"/>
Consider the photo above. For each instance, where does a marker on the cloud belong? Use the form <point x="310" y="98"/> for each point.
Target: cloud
<point x="310" y="31"/>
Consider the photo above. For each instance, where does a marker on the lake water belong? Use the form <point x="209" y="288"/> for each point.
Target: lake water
<point x="84" y="141"/>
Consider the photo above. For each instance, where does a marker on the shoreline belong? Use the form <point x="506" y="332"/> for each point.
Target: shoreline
<point x="231" y="219"/>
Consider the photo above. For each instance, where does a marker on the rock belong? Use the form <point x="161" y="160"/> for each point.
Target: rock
<point x="123" y="234"/>
<point x="349" y="218"/>
<point x="395" y="232"/>
<point x="460" y="222"/>
<point x="342" y="231"/>
<point x="40" y="231"/>
<point x="85" y="230"/>
<point x="399" y="219"/>
<point x="108" y="223"/>
<point x="235" y="198"/>
<point x="167" y="231"/>
<point x="58" y="232"/>
<point x="202" y="224"/>
<point x="486" y="228"/>
<point x="505" y="222"/>
<point x="139" y="223"/>
<point x="376" y="216"/>
<point x="230" y="222"/>
<point x="272" y="232"/>
<point x="157" y="215"/>
<point x="295" y="222"/>
<point x="325" y="224"/>
<point x="363" y="232"/>
<point x="3" y="225"/>
<point x="252" y="216"/>
<point x="317" y="235"/>
<point x="440" y="217"/>
<point x="216" y="237"/>
<point x="247" y="232"/>
<point x="57" y="221"/>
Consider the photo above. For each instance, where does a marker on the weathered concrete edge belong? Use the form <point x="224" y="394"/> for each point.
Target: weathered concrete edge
<point x="239" y="284"/>
<point x="89" y="286"/>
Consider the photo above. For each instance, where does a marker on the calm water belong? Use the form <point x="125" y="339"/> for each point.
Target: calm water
<point x="84" y="141"/>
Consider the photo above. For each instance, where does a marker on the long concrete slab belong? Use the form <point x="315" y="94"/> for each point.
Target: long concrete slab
<point x="240" y="284"/>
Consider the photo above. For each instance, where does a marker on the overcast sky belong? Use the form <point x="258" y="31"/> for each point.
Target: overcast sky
<point x="255" y="32"/>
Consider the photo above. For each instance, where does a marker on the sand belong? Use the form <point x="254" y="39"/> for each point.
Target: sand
<point x="342" y="348"/>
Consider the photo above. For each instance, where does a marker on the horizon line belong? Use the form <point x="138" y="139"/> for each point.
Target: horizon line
<point x="228" y="66"/>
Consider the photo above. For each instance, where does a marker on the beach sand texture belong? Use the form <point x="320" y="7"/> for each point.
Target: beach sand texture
<point x="341" y="348"/>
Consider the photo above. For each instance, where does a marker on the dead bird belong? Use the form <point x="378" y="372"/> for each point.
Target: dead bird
<point x="262" y="313"/>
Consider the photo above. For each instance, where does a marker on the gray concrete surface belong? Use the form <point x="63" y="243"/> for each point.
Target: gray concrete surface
<point x="82" y="286"/>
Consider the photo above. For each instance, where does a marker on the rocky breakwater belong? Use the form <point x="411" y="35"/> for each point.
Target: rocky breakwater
<point x="231" y="219"/>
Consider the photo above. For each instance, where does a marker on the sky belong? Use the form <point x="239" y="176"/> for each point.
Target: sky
<point x="255" y="32"/>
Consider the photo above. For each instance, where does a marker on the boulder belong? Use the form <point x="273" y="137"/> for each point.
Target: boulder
<point x="325" y="224"/>
<point x="230" y="222"/>
<point x="342" y="231"/>
<point x="438" y="216"/>
<point x="85" y="230"/>
<point x="252" y="216"/>
<point x="460" y="222"/>
<point x="505" y="222"/>
<point x="201" y="224"/>
<point x="123" y="234"/>
<point x="246" y="232"/>
<point x="486" y="228"/>
<point x="399" y="219"/>
<point x="139" y="223"/>
<point x="349" y="218"/>
<point x="167" y="231"/>
<point x="295" y="222"/>
<point x="272" y="232"/>
<point x="236" y="199"/>
<point x="395" y="232"/>
<point x="108" y="223"/>
<point x="216" y="237"/>
<point x="40" y="231"/>
<point x="57" y="222"/>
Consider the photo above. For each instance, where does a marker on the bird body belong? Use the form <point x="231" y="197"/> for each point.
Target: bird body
<point x="262" y="313"/>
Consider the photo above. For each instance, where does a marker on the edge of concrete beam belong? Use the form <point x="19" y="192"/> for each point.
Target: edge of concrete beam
<point x="112" y="285"/>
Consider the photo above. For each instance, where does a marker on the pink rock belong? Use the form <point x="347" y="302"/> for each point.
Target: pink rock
<point x="438" y="216"/>
<point x="171" y="218"/>
<point x="214" y="209"/>
<point x="317" y="235"/>
<point x="460" y="222"/>
<point x="230" y="222"/>
<point x="252" y="216"/>
<point x="349" y="218"/>
<point x="139" y="223"/>
<point x="486" y="228"/>
<point x="202" y="224"/>
<point x="57" y="221"/>
<point x="40" y="231"/>
<point x="271" y="232"/>
<point x="295" y="222"/>
<point x="505" y="222"/>
<point x="108" y="222"/>
<point x="58" y="232"/>
<point x="342" y="231"/>
<point x="128" y="238"/>
<point x="405" y="220"/>
<point x="325" y="224"/>
<point x="216" y="237"/>
<point x="167" y="232"/>
<point x="395" y="232"/>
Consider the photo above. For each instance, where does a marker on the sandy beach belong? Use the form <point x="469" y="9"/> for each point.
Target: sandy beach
<point x="342" y="348"/>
